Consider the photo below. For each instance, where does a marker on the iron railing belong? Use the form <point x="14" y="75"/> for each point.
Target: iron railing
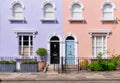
<point x="29" y="64"/>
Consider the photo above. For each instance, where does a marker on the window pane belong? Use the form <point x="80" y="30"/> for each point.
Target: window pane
<point x="49" y="14"/>
<point x="17" y="11"/>
<point x="76" y="8"/>
<point x="107" y="7"/>
<point x="17" y="7"/>
<point x="24" y="49"/>
<point x="48" y="8"/>
<point x="25" y="38"/>
<point x="18" y="14"/>
<point x="77" y="15"/>
<point x="98" y="41"/>
<point x="108" y="15"/>
<point x="26" y="43"/>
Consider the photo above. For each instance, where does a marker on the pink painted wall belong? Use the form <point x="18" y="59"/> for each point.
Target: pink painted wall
<point x="92" y="13"/>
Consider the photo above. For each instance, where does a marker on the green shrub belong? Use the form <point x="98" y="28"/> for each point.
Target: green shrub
<point x="103" y="64"/>
<point x="7" y="62"/>
<point x="115" y="59"/>
<point x="111" y="66"/>
<point x="95" y="66"/>
<point x="41" y="52"/>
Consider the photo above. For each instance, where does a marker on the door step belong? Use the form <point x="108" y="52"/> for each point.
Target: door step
<point x="52" y="69"/>
<point x="71" y="68"/>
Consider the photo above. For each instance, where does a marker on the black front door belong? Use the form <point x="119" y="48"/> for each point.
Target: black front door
<point x="54" y="52"/>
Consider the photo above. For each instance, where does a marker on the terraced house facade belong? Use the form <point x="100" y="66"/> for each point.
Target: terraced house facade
<point x="68" y="28"/>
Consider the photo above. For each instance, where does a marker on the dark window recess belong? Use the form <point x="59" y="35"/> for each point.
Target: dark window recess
<point x="54" y="38"/>
<point x="25" y="38"/>
<point x="69" y="38"/>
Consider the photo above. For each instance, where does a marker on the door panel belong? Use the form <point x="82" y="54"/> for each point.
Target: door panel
<point x="70" y="52"/>
<point x="54" y="52"/>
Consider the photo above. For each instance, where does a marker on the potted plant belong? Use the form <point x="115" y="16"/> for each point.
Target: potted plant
<point x="42" y="52"/>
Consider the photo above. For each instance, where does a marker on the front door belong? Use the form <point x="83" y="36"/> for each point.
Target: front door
<point x="70" y="52"/>
<point x="54" y="52"/>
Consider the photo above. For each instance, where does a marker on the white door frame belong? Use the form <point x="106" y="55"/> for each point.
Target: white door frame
<point x="48" y="47"/>
<point x="76" y="44"/>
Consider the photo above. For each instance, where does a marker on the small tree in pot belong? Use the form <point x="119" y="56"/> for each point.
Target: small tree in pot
<point x="42" y="52"/>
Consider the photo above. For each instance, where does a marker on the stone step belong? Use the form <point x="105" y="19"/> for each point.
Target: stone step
<point x="71" y="67"/>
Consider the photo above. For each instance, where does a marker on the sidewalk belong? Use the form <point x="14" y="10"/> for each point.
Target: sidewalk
<point x="81" y="76"/>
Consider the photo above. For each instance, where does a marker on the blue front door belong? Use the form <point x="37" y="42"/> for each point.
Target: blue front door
<point x="70" y="52"/>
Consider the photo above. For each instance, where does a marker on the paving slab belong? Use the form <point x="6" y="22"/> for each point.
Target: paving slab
<point x="79" y="76"/>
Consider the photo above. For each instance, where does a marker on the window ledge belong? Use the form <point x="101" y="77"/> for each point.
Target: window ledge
<point x="107" y="32"/>
<point x="107" y="19"/>
<point x="76" y="19"/>
<point x="16" y="19"/>
<point x="95" y="58"/>
<point x="48" y="19"/>
<point x="25" y="57"/>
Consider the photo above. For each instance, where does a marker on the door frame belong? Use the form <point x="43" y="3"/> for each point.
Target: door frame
<point x="76" y="44"/>
<point x="48" y="46"/>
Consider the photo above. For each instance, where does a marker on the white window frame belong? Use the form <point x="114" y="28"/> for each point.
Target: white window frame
<point x="102" y="46"/>
<point x="43" y="8"/>
<point x="80" y="11"/>
<point x="110" y="11"/>
<point x="12" y="17"/>
<point x="21" y="47"/>
<point x="106" y="35"/>
<point x="25" y="33"/>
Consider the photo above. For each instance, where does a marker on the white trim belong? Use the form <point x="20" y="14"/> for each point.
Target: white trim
<point x="45" y="18"/>
<point x="48" y="19"/>
<point x="81" y="5"/>
<point x="76" y="19"/>
<point x="12" y="18"/>
<point x="48" y="2"/>
<point x="48" y="46"/>
<point x="15" y="2"/>
<point x="102" y="47"/>
<point x="112" y="10"/>
<point x="107" y="32"/>
<point x="107" y="2"/>
<point x="76" y="2"/>
<point x="108" y="19"/>
<point x="21" y="32"/>
<point x="76" y="44"/>
<point x="16" y="19"/>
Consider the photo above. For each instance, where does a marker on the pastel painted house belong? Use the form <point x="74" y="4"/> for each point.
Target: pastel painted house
<point x="68" y="28"/>
<point x="27" y="25"/>
<point x="90" y="27"/>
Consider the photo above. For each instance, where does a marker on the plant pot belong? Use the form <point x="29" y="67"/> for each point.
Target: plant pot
<point x="41" y="65"/>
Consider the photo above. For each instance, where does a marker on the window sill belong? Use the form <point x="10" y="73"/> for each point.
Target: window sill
<point x="95" y="57"/>
<point x="77" y="19"/>
<point x="48" y="19"/>
<point x="25" y="57"/>
<point x="108" y="20"/>
<point x="16" y="19"/>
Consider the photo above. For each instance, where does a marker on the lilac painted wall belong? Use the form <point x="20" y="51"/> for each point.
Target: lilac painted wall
<point x="33" y="13"/>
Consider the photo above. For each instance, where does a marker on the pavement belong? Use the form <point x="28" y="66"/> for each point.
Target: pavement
<point x="54" y="76"/>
